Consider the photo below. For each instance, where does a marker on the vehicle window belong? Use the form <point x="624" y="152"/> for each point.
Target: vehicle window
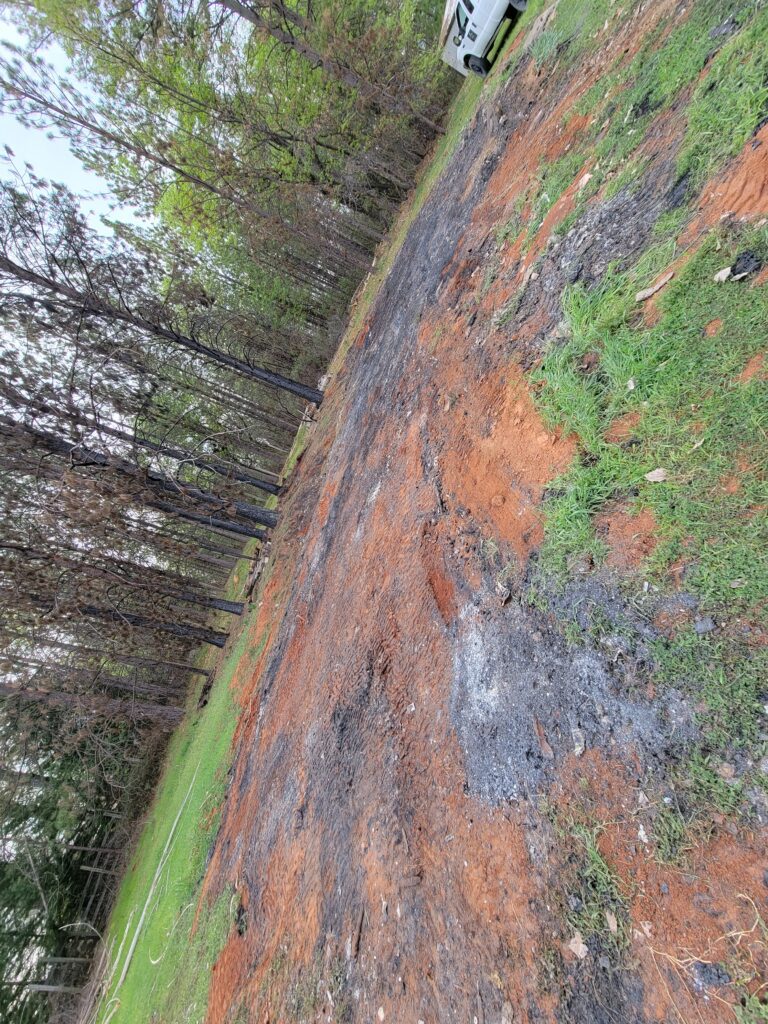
<point x="462" y="19"/>
<point x="469" y="5"/>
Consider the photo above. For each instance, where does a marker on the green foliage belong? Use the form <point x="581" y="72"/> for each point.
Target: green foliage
<point x="598" y="895"/>
<point x="544" y="46"/>
<point x="751" y="1010"/>
<point x="729" y="102"/>
<point x="671" y="835"/>
<point x="553" y="180"/>
<point x="699" y="422"/>
<point x="193" y="782"/>
<point x="708" y="787"/>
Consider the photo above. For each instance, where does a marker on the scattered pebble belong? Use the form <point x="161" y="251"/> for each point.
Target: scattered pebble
<point x="578" y="946"/>
<point x="579" y="741"/>
<point x="706" y="975"/>
<point x="704" y="625"/>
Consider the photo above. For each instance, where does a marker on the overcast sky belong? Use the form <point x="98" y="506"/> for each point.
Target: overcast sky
<point x="51" y="158"/>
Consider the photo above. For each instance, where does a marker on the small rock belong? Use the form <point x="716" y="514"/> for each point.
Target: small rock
<point x="578" y="946"/>
<point x="747" y="262"/>
<point x="709" y="976"/>
<point x="604" y="962"/>
<point x="664" y="889"/>
<point x="642" y="835"/>
<point x="497" y="500"/>
<point x="722" y="275"/>
<point x="613" y="924"/>
<point x="704" y="625"/>
<point x="726" y="770"/>
<point x="579" y="741"/>
<point x="727" y="28"/>
<point x="642" y="799"/>
<point x="656" y="476"/>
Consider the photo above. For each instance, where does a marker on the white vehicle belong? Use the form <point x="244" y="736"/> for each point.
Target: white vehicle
<point x="469" y="29"/>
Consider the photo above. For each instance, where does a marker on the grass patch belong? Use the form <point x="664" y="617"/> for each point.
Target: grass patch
<point x="544" y="47"/>
<point x="729" y="102"/>
<point x="300" y="443"/>
<point x="169" y="972"/>
<point x="706" y="428"/>
<point x="597" y="908"/>
<point x="671" y="835"/>
<point x="725" y="107"/>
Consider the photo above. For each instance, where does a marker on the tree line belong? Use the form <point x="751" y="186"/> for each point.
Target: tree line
<point x="153" y="374"/>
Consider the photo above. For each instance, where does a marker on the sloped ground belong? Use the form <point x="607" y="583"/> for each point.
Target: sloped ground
<point x="455" y="798"/>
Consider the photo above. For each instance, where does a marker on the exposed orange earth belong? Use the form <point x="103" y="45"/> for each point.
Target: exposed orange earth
<point x="412" y="734"/>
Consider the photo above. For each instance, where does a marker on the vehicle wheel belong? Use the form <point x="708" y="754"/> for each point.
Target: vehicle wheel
<point x="516" y="6"/>
<point x="478" y="66"/>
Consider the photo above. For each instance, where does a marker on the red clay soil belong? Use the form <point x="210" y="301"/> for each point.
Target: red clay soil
<point x="755" y="368"/>
<point x="623" y="428"/>
<point x="740" y="192"/>
<point x="412" y="729"/>
<point x="631" y="537"/>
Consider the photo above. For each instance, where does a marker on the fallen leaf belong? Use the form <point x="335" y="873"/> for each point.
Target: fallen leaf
<point x="642" y="835"/>
<point x="722" y="275"/>
<point x="613" y="924"/>
<point x="646" y="293"/>
<point x="656" y="476"/>
<point x="578" y="946"/>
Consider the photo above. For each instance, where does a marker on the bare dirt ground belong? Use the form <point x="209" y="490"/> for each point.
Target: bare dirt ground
<point x="414" y="735"/>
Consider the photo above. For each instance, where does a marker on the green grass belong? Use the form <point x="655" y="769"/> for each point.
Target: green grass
<point x="671" y="835"/>
<point x="597" y="893"/>
<point x="298" y="447"/>
<point x="725" y="106"/>
<point x="729" y="102"/>
<point x="751" y="1011"/>
<point x="169" y="972"/>
<point x="698" y="422"/>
